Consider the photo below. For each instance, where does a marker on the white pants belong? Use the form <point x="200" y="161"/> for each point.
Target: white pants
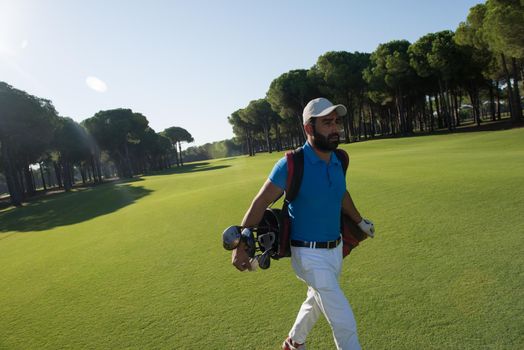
<point x="320" y="269"/>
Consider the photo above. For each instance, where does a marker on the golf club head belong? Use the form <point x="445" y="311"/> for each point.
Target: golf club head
<point x="231" y="237"/>
<point x="264" y="260"/>
<point x="249" y="239"/>
<point x="266" y="240"/>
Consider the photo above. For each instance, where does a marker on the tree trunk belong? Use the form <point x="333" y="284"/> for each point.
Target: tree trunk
<point x="89" y="171"/>
<point x="348" y="121"/>
<point x="511" y="100"/>
<point x="33" y="182"/>
<point x="128" y="169"/>
<point x="278" y="137"/>
<point x="476" y="106"/>
<point x="401" y="110"/>
<point x="13" y="185"/>
<point x="58" y="174"/>
<point x="98" y="162"/>
<point x="20" y="176"/>
<point x="302" y="133"/>
<point x="180" y="154"/>
<point x="491" y="100"/>
<point x="449" y="102"/>
<point x="268" y="138"/>
<point x="248" y="142"/>
<point x="42" y="176"/>
<point x="72" y="173"/>
<point x="83" y="174"/>
<point x="388" y="122"/>
<point x="456" y="109"/>
<point x="425" y="114"/>
<point x="499" y="117"/>
<point x="516" y="94"/>
<point x="444" y="99"/>
<point x="361" y="122"/>
<point x="176" y="154"/>
<point x="431" y="115"/>
<point x="372" y="116"/>
<point x="66" y="174"/>
<point x="346" y="130"/>
<point x="166" y="161"/>
<point x="50" y="178"/>
<point x="93" y="169"/>
<point x="438" y="107"/>
<point x="474" y="97"/>
<point x="30" y="190"/>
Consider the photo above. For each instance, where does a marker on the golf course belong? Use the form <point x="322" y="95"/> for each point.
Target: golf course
<point x="139" y="264"/>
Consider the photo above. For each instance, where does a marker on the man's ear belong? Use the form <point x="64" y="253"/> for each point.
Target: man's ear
<point x="308" y="128"/>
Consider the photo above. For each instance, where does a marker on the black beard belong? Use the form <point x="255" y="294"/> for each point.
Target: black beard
<point x="324" y="144"/>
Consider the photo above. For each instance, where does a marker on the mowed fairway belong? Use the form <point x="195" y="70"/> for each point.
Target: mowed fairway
<point x="139" y="265"/>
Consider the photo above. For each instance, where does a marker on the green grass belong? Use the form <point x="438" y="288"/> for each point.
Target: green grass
<point x="139" y="265"/>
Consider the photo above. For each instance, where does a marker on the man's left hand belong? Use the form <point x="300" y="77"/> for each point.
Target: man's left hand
<point x="368" y="227"/>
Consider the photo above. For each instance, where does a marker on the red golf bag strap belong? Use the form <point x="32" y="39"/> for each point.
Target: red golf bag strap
<point x="295" y="170"/>
<point x="343" y="157"/>
<point x="290" y="170"/>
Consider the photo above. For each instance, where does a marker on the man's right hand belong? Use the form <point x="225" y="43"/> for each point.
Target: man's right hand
<point x="368" y="227"/>
<point x="240" y="258"/>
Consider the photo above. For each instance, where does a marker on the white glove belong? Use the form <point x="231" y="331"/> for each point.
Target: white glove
<point x="368" y="227"/>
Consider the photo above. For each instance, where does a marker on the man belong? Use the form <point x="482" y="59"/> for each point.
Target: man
<point x="316" y="249"/>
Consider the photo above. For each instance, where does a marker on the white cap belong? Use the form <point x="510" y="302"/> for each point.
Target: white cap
<point x="320" y="107"/>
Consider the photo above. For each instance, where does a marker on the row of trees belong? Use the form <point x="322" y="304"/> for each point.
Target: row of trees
<point x="217" y="149"/>
<point x="34" y="136"/>
<point x="402" y="87"/>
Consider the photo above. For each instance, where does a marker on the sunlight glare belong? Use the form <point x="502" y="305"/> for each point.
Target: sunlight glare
<point x="96" y="84"/>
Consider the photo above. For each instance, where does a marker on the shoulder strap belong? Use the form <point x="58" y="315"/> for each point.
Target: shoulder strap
<point x="295" y="170"/>
<point x="343" y="157"/>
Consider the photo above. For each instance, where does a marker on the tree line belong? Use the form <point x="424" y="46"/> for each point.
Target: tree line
<point x="117" y="142"/>
<point x="212" y="150"/>
<point x="437" y="82"/>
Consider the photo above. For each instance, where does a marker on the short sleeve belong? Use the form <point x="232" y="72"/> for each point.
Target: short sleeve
<point x="278" y="175"/>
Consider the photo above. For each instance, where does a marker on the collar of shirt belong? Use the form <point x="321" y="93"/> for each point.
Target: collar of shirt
<point x="313" y="158"/>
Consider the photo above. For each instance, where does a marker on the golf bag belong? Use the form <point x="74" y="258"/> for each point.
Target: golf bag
<point x="261" y="241"/>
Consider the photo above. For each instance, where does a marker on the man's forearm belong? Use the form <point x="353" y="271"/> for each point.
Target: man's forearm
<point x="255" y="213"/>
<point x="267" y="194"/>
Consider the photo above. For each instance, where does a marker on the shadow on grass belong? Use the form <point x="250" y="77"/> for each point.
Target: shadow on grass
<point x="56" y="208"/>
<point x="5" y="201"/>
<point x="190" y="168"/>
<point x="71" y="208"/>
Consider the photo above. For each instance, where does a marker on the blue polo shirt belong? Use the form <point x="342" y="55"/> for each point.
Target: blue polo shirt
<point x="315" y="212"/>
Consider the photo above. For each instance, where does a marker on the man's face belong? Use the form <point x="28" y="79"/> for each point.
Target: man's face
<point x="326" y="132"/>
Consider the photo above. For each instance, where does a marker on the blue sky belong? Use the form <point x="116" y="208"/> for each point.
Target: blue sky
<point x="191" y="63"/>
